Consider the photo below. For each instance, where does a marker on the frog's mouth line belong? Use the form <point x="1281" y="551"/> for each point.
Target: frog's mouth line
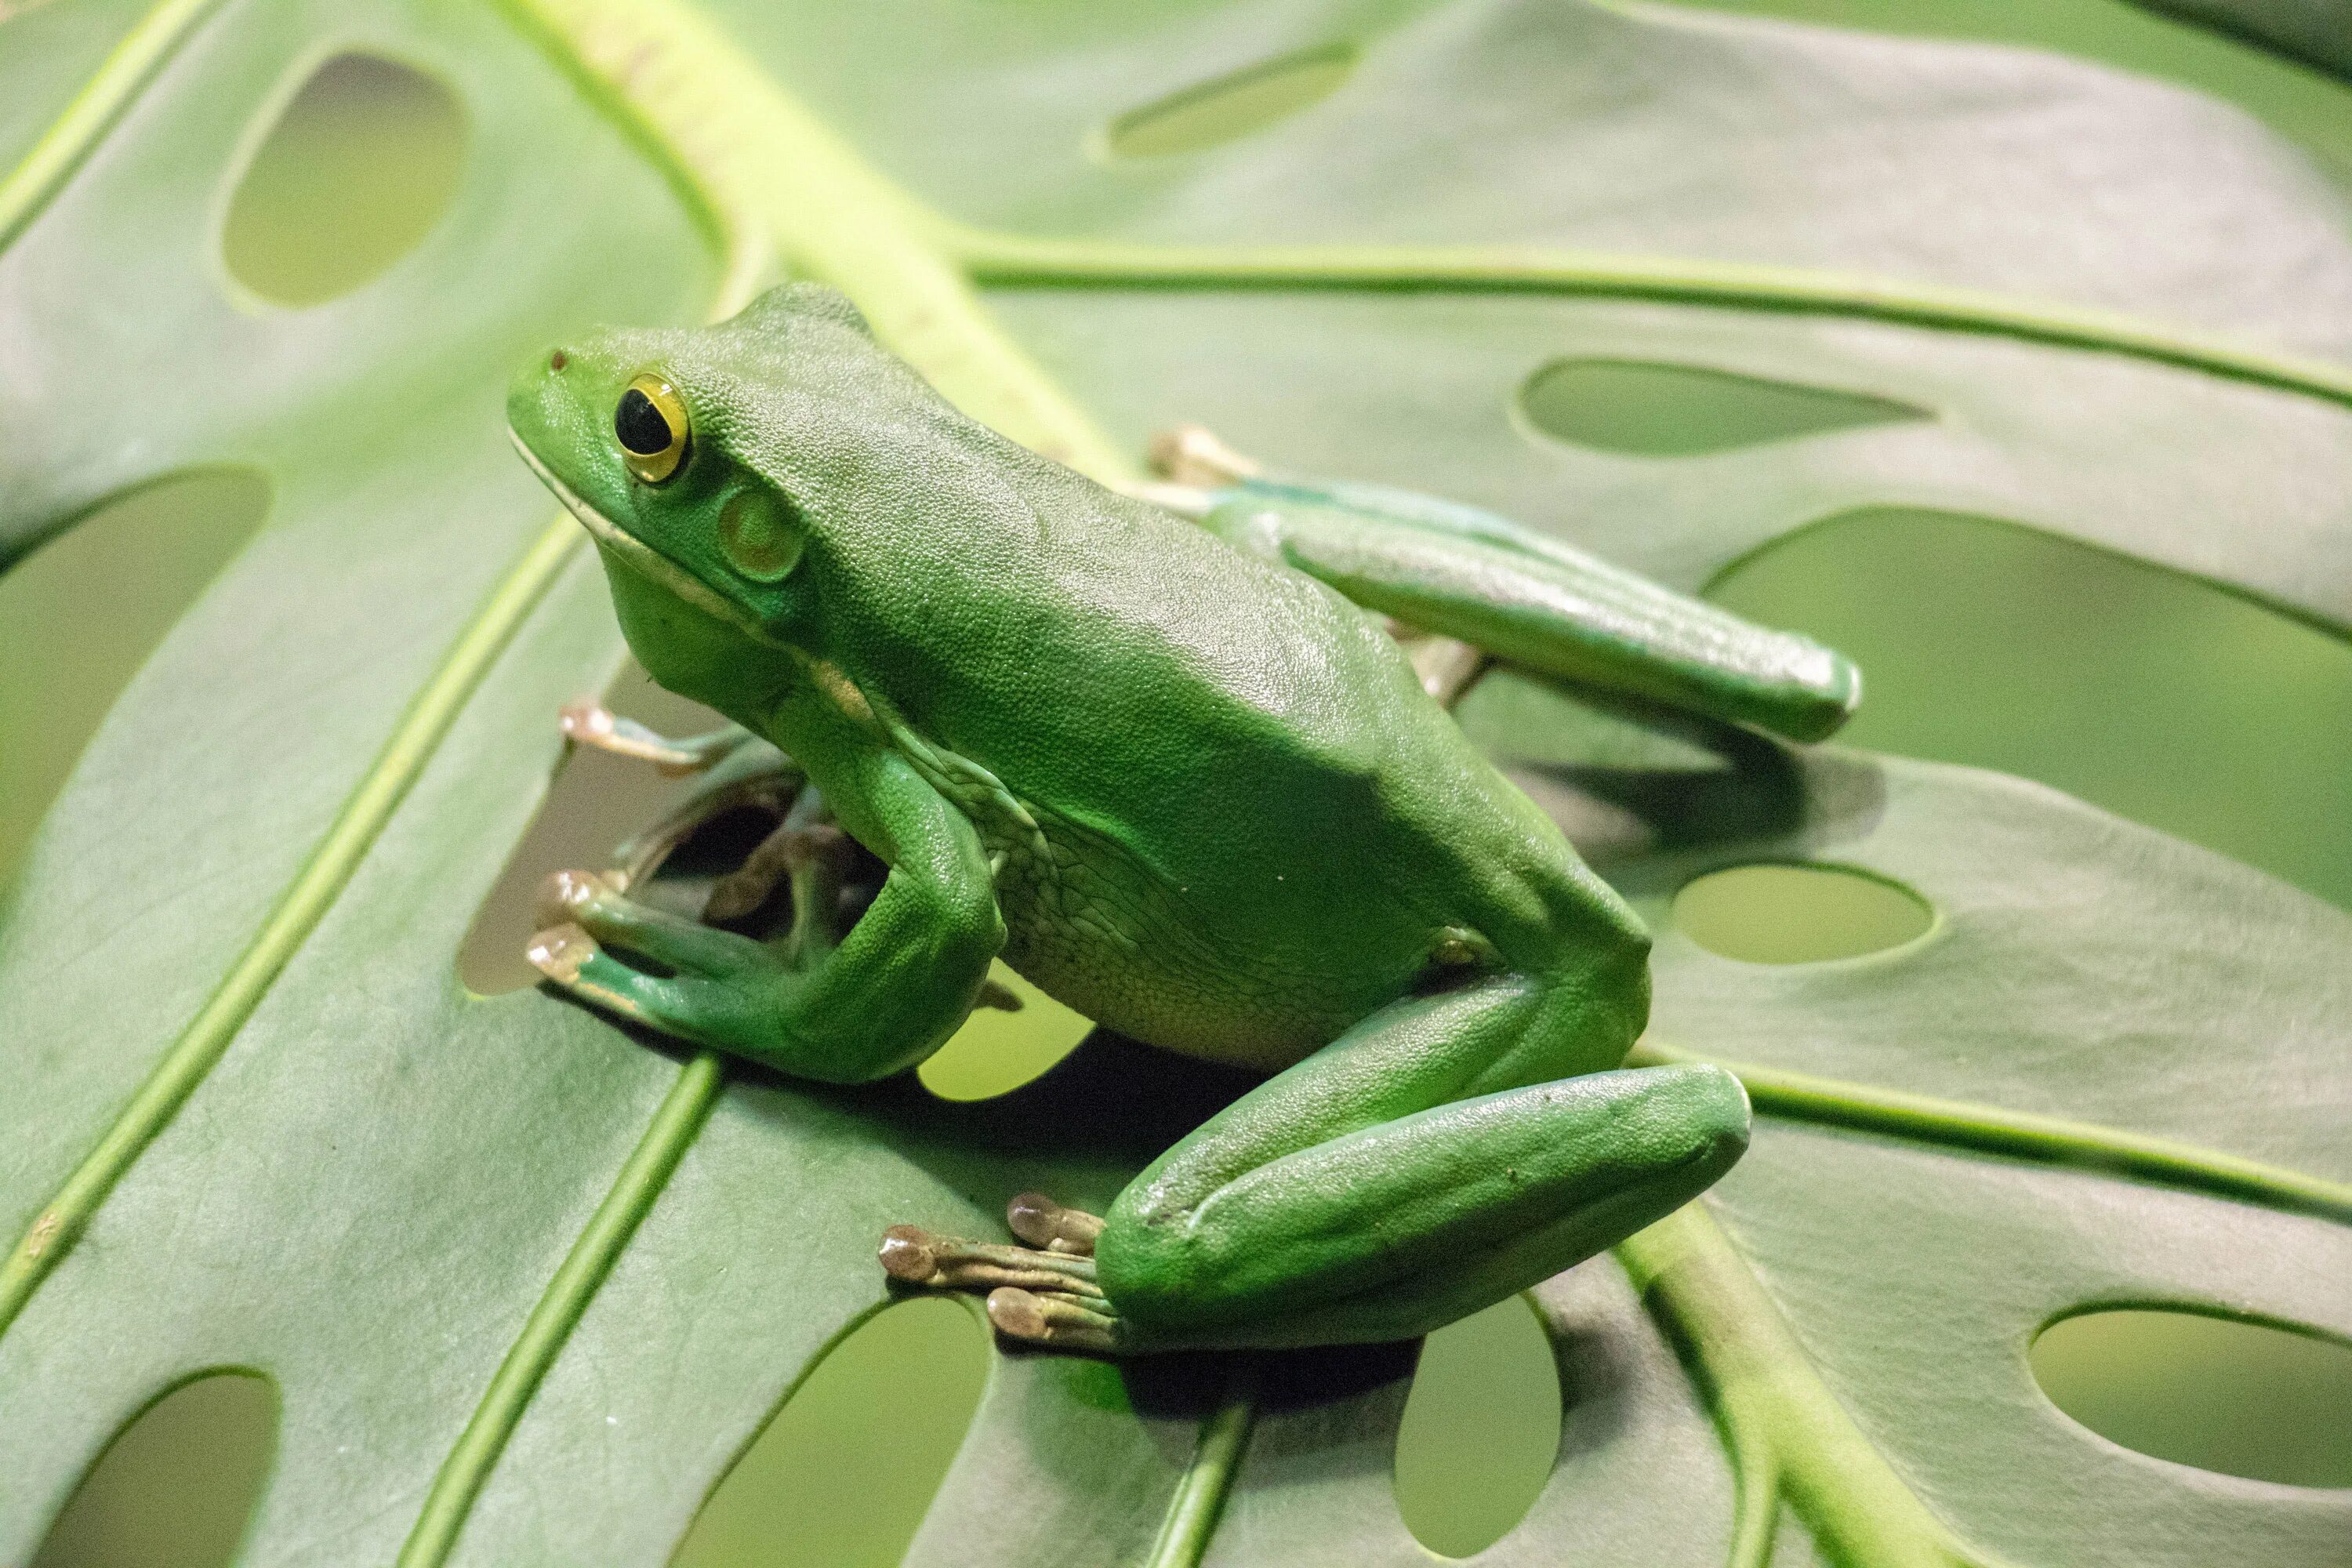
<point x="647" y="561"/>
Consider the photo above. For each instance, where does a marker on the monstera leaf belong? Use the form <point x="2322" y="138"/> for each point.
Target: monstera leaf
<point x="526" y="1284"/>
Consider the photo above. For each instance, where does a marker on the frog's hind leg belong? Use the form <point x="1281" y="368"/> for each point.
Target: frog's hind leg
<point x="1520" y="595"/>
<point x="1399" y="1228"/>
<point x="1401" y="1177"/>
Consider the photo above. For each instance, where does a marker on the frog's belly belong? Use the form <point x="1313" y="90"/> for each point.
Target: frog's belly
<point x="1101" y="934"/>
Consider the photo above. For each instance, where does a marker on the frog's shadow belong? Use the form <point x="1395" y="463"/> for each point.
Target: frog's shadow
<point x="1624" y="777"/>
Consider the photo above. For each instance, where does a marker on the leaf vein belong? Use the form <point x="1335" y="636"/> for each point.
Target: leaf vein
<point x="573" y="1285"/>
<point x="150" y="46"/>
<point x="2023" y="1136"/>
<point x="316" y="886"/>
<point x="1019" y="261"/>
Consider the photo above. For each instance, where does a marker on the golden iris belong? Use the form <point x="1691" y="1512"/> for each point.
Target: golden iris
<point x="650" y="424"/>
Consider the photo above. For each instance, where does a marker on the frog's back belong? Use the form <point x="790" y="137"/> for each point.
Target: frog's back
<point x="1250" y="825"/>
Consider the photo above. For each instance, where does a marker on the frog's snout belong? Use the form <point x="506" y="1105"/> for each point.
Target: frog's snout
<point x="540" y="399"/>
<point x="538" y="376"/>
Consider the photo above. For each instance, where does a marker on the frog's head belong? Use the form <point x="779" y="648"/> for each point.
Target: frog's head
<point x="707" y="463"/>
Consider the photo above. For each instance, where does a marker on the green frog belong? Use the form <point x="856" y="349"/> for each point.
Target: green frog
<point x="1179" y="773"/>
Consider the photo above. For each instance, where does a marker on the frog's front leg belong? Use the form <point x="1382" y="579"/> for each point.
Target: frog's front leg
<point x="893" y="990"/>
<point x="1425" y="1164"/>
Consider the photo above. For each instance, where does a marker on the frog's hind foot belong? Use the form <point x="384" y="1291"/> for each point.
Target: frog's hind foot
<point x="1043" y="1222"/>
<point x="1044" y="1294"/>
<point x="1055" y="1321"/>
<point x="1192" y="455"/>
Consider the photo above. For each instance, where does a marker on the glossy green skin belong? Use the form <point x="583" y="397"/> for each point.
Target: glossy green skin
<point x="1187" y="789"/>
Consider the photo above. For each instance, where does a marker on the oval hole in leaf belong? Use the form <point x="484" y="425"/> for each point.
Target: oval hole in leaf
<point x="80" y="614"/>
<point x="2255" y="1399"/>
<point x="595" y="802"/>
<point x="177" y="1486"/>
<point x="843" y="1473"/>
<point x="1210" y="114"/>
<point x="1799" y="914"/>
<point x="1481" y="1429"/>
<point x="2161" y="698"/>
<point x="357" y="169"/>
<point x="996" y="1052"/>
<point x="1657" y="410"/>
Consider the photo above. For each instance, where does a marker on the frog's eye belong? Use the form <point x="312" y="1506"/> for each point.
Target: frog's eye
<point x="650" y="422"/>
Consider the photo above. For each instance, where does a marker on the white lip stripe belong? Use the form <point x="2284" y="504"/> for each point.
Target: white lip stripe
<point x="639" y="554"/>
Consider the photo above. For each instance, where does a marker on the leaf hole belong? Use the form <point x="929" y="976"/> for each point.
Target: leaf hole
<point x="1228" y="108"/>
<point x="2260" y="1400"/>
<point x="1658" y="410"/>
<point x="353" y="174"/>
<point x="1780" y="913"/>
<point x="2161" y="698"/>
<point x="595" y="802"/>
<point x="82" y="611"/>
<point x="843" y="1472"/>
<point x="1481" y="1429"/>
<point x="177" y="1486"/>
<point x="996" y="1052"/>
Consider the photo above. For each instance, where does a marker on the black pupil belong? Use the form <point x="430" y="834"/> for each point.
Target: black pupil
<point x="640" y="426"/>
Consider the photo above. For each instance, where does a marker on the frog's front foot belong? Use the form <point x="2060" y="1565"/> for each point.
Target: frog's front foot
<point x="594" y="725"/>
<point x="1043" y="1294"/>
<point x="716" y="982"/>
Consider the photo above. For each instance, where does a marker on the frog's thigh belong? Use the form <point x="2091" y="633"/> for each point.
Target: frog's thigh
<point x="1310" y="1212"/>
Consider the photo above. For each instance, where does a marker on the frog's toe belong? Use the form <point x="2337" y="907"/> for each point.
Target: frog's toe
<point x="594" y="725"/>
<point x="561" y="950"/>
<point x="1045" y="1294"/>
<point x="566" y="896"/>
<point x="595" y="907"/>
<point x="585" y="723"/>
<point x="1055" y="1320"/>
<point x="1043" y="1222"/>
<point x="1192" y="455"/>
<point x="578" y="964"/>
<point x="741" y="891"/>
<point x="783" y="855"/>
<point x="917" y="1257"/>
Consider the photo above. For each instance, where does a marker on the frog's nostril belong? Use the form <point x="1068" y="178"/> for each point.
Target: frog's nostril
<point x="558" y="360"/>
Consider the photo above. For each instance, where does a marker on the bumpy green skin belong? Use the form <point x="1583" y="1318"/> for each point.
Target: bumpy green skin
<point x="1186" y="788"/>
